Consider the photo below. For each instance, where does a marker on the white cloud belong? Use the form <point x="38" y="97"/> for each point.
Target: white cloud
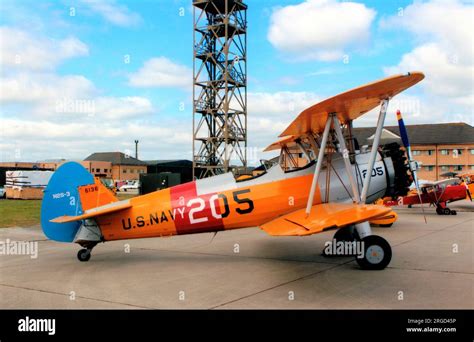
<point x="448" y="22"/>
<point x="114" y="13"/>
<point x="161" y="72"/>
<point x="445" y="77"/>
<point x="68" y="97"/>
<point x="19" y="139"/>
<point x="279" y="103"/>
<point x="23" y="50"/>
<point x="320" y="29"/>
<point x="443" y="31"/>
<point x="27" y="87"/>
<point x="117" y="108"/>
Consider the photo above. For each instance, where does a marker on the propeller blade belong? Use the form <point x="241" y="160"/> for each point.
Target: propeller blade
<point x="411" y="162"/>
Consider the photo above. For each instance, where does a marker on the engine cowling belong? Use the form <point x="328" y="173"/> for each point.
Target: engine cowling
<point x="402" y="175"/>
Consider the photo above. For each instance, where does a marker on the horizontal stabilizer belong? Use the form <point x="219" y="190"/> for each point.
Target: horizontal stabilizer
<point x="99" y="211"/>
<point x="323" y="216"/>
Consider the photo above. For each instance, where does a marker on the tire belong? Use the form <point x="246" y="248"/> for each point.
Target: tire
<point x="454" y="212"/>
<point x="84" y="255"/>
<point x="446" y="211"/>
<point x="346" y="233"/>
<point x="439" y="211"/>
<point x="377" y="253"/>
<point x="386" y="225"/>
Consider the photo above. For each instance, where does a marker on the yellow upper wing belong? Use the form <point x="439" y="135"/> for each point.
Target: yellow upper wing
<point x="280" y="143"/>
<point x="350" y="104"/>
<point x="323" y="216"/>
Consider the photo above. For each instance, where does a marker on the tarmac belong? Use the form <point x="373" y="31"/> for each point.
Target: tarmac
<point x="432" y="268"/>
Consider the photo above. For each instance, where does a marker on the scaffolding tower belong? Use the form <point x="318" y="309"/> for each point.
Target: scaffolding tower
<point x="219" y="87"/>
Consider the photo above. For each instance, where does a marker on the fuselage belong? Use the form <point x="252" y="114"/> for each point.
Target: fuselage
<point x="451" y="193"/>
<point x="222" y="203"/>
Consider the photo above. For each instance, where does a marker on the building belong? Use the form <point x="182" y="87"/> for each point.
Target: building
<point x="439" y="148"/>
<point x="97" y="168"/>
<point x="101" y="169"/>
<point x="183" y="167"/>
<point x="123" y="167"/>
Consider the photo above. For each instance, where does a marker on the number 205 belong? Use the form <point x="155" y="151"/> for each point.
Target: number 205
<point x="214" y="202"/>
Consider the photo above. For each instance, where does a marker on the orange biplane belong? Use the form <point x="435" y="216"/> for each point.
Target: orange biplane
<point x="283" y="201"/>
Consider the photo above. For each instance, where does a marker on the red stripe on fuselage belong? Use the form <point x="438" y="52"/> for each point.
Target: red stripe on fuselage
<point x="187" y="206"/>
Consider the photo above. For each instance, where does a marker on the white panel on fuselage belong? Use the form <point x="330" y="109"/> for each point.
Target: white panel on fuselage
<point x="218" y="183"/>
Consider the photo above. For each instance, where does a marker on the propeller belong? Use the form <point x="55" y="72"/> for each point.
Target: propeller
<point x="413" y="165"/>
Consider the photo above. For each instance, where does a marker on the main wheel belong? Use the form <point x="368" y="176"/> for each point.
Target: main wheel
<point x="446" y="211"/>
<point x="454" y="212"/>
<point x="439" y="211"/>
<point x="347" y="233"/>
<point x="377" y="253"/>
<point x="84" y="254"/>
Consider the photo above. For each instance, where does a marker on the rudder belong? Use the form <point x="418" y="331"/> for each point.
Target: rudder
<point x="61" y="197"/>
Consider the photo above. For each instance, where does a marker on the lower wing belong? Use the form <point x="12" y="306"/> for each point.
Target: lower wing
<point x="322" y="217"/>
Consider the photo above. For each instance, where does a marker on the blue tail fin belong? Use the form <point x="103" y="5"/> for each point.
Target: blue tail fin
<point x="61" y="197"/>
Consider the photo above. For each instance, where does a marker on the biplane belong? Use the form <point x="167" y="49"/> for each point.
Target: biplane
<point x="438" y="194"/>
<point x="330" y="192"/>
<point x="467" y="179"/>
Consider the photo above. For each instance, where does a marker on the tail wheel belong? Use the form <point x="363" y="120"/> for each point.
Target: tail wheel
<point x="377" y="253"/>
<point x="84" y="254"/>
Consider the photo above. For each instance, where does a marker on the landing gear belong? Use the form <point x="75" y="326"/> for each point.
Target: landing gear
<point x="344" y="234"/>
<point x="377" y="253"/>
<point x="348" y="233"/>
<point x="84" y="254"/>
<point x="372" y="252"/>
<point x="445" y="211"/>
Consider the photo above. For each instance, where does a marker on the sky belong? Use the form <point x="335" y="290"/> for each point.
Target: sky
<point x="85" y="76"/>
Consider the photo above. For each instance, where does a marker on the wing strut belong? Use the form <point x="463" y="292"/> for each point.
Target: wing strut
<point x="319" y="164"/>
<point x="373" y="152"/>
<point x="347" y="163"/>
<point x="305" y="152"/>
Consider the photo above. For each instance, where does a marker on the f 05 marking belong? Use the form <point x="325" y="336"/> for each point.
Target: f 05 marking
<point x="376" y="171"/>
